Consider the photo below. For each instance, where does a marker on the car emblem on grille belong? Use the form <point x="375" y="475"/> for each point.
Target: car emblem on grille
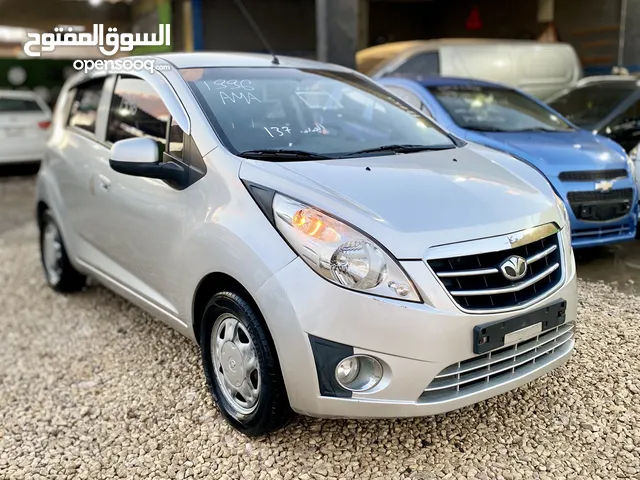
<point x="514" y="268"/>
<point x="604" y="185"/>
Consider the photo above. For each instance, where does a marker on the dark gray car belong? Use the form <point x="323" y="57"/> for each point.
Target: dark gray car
<point x="608" y="105"/>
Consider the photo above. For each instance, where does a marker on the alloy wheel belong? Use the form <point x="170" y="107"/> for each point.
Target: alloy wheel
<point x="236" y="364"/>
<point x="52" y="253"/>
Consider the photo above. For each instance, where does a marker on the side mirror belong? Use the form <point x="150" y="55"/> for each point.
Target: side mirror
<point x="140" y="157"/>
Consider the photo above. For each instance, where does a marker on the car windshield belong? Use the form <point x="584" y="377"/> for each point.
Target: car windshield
<point x="496" y="109"/>
<point x="318" y="112"/>
<point x="589" y="105"/>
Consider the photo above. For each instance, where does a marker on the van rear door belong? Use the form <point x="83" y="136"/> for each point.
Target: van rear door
<point x="545" y="69"/>
<point x="492" y="62"/>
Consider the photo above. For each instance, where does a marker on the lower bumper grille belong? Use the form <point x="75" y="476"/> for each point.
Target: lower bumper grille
<point x="601" y="233"/>
<point x="599" y="206"/>
<point x="499" y="366"/>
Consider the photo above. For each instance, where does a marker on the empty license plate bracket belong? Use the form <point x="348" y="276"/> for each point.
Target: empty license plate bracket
<point x="489" y="336"/>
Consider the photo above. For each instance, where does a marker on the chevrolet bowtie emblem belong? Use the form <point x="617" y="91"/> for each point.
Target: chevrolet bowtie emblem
<point x="604" y="186"/>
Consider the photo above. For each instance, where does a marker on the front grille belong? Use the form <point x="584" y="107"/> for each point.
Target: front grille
<point x="592" y="175"/>
<point x="595" y="196"/>
<point x="499" y="366"/>
<point x="601" y="206"/>
<point x="476" y="283"/>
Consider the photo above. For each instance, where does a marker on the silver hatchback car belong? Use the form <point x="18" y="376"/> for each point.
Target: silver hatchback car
<point x="332" y="250"/>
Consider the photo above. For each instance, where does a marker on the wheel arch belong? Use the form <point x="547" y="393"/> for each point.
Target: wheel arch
<point x="208" y="286"/>
<point x="41" y="207"/>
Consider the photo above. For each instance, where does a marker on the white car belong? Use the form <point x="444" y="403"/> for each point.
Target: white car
<point x="25" y="121"/>
<point x="332" y="250"/>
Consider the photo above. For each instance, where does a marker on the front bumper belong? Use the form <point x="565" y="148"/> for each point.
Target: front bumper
<point x="586" y="234"/>
<point x="414" y="341"/>
<point x="605" y="235"/>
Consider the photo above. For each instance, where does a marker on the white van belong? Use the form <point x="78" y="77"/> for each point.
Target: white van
<point x="540" y="69"/>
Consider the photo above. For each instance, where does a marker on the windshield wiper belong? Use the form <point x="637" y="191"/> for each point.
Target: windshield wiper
<point x="539" y="129"/>
<point x="282" y="155"/>
<point x="400" y="148"/>
<point x="487" y="129"/>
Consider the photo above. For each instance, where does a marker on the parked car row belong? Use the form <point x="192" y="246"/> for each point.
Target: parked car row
<point x="334" y="249"/>
<point x="593" y="175"/>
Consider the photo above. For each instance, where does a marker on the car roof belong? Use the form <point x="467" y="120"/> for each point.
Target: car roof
<point x="602" y="79"/>
<point x="397" y="47"/>
<point x="449" y="81"/>
<point x="241" y="59"/>
<point x="26" y="94"/>
<point x="391" y="49"/>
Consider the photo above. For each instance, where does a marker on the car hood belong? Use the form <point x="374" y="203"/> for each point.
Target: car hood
<point x="555" y="152"/>
<point x="411" y="202"/>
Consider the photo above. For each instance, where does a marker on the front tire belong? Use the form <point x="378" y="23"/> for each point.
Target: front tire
<point x="58" y="271"/>
<point x="241" y="366"/>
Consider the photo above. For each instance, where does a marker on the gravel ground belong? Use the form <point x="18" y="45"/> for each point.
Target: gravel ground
<point x="17" y="199"/>
<point x="91" y="387"/>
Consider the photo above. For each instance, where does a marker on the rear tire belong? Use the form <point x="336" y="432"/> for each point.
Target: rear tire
<point x="58" y="271"/>
<point x="241" y="366"/>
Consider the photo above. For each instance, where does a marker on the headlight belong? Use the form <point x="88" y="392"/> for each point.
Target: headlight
<point x="563" y="211"/>
<point x="631" y="163"/>
<point x="340" y="253"/>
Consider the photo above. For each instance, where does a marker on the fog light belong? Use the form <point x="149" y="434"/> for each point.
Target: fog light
<point x="359" y="373"/>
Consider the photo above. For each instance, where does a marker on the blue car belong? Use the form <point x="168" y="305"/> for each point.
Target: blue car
<point x="592" y="174"/>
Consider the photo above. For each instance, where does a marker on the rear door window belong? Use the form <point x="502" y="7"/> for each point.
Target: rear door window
<point x="84" y="109"/>
<point x="19" y="105"/>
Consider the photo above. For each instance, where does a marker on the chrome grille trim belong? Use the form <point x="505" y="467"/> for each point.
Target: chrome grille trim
<point x="504" y="364"/>
<point x="492" y="244"/>
<point x="515" y="288"/>
<point x="469" y="271"/>
<point x="489" y="271"/>
<point x="542" y="254"/>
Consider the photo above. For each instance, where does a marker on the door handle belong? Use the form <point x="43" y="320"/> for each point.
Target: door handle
<point x="105" y="183"/>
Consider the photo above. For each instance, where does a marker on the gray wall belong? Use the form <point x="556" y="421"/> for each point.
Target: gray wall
<point x="338" y="29"/>
<point x="592" y="27"/>
<point x="289" y="26"/>
<point x="177" y="22"/>
<point x="632" y="37"/>
<point x="397" y="21"/>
